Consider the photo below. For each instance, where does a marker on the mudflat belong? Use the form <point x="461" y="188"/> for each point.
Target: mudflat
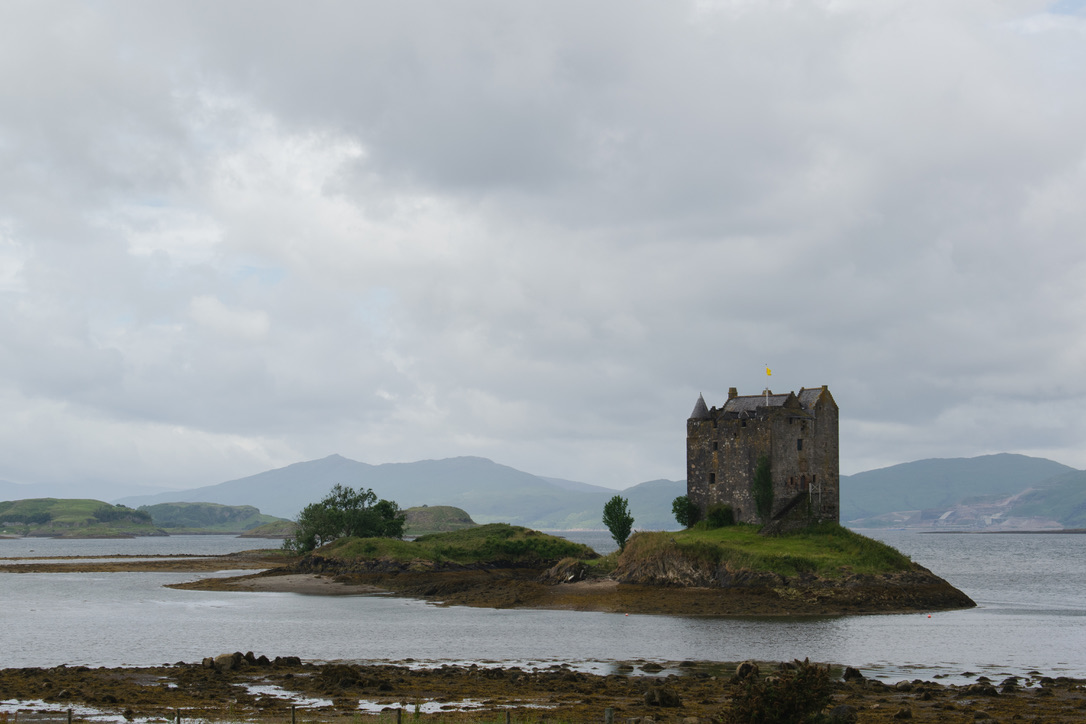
<point x="245" y="687"/>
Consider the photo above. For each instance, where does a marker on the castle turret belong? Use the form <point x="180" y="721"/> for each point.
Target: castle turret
<point x="701" y="411"/>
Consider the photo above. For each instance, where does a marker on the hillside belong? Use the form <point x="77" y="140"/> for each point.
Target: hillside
<point x="73" y="518"/>
<point x="972" y="491"/>
<point x="1062" y="499"/>
<point x="940" y="484"/>
<point x="489" y="492"/>
<point x="207" y="517"/>
<point x="427" y="519"/>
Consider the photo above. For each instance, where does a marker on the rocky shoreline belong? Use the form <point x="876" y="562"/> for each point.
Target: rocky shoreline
<point x="232" y="687"/>
<point x="569" y="586"/>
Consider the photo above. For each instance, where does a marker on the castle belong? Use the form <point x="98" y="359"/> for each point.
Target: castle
<point x="796" y="432"/>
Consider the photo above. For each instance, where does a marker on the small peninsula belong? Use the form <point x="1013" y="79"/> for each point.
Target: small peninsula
<point x="824" y="570"/>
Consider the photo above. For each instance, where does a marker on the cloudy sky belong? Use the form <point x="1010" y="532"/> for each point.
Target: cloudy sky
<point x="239" y="235"/>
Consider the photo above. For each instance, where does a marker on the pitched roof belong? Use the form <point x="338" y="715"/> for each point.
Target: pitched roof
<point x="750" y="403"/>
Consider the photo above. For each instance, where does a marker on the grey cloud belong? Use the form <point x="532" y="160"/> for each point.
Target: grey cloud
<point x="265" y="231"/>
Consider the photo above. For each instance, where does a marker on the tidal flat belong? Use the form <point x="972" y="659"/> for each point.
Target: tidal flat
<point x="237" y="687"/>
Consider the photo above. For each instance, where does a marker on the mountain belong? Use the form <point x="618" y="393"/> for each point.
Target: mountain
<point x="939" y="484"/>
<point x="489" y="492"/>
<point x="579" y="487"/>
<point x="971" y="492"/>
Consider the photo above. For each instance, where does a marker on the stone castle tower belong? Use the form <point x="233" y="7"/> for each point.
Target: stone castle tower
<point x="797" y="432"/>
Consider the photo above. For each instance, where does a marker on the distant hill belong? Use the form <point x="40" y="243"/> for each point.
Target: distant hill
<point x="939" y="484"/>
<point x="1062" y="499"/>
<point x="489" y="492"/>
<point x="207" y="517"/>
<point x="436" y="519"/>
<point x="281" y="528"/>
<point x="14" y="491"/>
<point x="980" y="489"/>
<point x="73" y="518"/>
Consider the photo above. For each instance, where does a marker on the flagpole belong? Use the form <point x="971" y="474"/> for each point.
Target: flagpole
<point x="768" y="373"/>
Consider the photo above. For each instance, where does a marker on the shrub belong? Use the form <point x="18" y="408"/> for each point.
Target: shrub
<point x="686" y="512"/>
<point x="720" y="516"/>
<point x="112" y="513"/>
<point x="795" y="695"/>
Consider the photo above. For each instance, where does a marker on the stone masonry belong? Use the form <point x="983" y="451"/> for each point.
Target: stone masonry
<point x="796" y="431"/>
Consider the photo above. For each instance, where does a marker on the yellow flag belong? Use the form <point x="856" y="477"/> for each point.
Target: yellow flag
<point x="767" y="372"/>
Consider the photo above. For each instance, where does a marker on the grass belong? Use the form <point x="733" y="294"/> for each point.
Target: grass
<point x="827" y="550"/>
<point x="485" y="543"/>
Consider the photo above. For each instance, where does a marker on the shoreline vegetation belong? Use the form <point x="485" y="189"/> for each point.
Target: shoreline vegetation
<point x="245" y="687"/>
<point x="731" y="571"/>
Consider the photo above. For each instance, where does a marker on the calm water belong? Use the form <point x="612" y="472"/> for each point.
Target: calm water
<point x="1031" y="590"/>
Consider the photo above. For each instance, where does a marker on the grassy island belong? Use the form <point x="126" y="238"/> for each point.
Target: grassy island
<point x="826" y="570"/>
<point x="73" y="518"/>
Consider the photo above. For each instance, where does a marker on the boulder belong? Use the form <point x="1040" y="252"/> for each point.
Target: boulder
<point x="231" y="662"/>
<point x="851" y="673"/>
<point x="662" y="696"/>
<point x="745" y="670"/>
<point x="843" y="714"/>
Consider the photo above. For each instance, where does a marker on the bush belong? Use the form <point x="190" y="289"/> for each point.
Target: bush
<point x="720" y="516"/>
<point x="686" y="512"/>
<point x="795" y="695"/>
<point x="113" y="513"/>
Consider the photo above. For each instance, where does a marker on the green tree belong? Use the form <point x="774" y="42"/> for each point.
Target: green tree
<point x="346" y="512"/>
<point x="686" y="511"/>
<point x="763" y="489"/>
<point x="617" y="518"/>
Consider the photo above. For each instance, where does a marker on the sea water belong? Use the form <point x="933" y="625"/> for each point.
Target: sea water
<point x="1031" y="591"/>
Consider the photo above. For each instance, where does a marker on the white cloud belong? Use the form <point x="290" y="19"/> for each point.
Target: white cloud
<point x="536" y="233"/>
<point x="249" y="325"/>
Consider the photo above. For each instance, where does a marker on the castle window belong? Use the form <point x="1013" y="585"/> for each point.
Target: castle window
<point x="712" y="478"/>
<point x="716" y="445"/>
<point x="799" y="443"/>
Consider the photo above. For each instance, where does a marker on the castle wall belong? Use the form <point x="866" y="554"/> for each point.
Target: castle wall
<point x="802" y="445"/>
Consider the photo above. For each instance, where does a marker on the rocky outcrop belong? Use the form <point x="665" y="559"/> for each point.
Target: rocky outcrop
<point x="567" y="570"/>
<point x="916" y="588"/>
